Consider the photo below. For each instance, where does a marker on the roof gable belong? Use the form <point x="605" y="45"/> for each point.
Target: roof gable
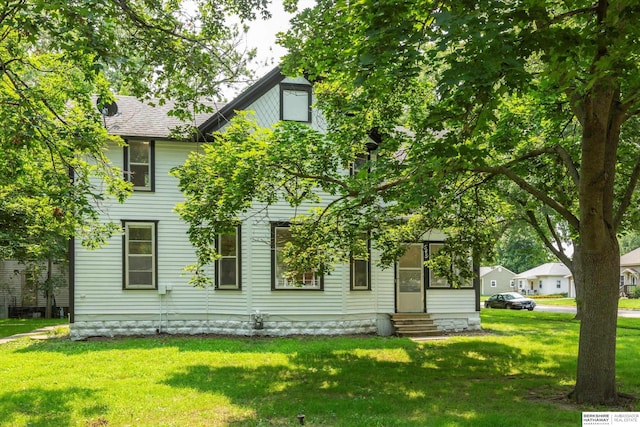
<point x="499" y="268"/>
<point x="241" y="102"/>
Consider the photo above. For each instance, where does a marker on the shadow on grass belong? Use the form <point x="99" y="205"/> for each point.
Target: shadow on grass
<point x="44" y="407"/>
<point x="428" y="385"/>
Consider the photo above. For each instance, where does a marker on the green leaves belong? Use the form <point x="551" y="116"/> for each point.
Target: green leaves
<point x="56" y="57"/>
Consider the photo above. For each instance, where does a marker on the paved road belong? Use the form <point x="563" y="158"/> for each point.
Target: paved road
<point x="572" y="310"/>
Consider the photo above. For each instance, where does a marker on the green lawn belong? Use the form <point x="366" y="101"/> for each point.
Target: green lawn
<point x="515" y="374"/>
<point x="10" y="327"/>
<point x="623" y="303"/>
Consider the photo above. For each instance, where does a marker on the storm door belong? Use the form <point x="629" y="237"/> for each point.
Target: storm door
<point x="410" y="281"/>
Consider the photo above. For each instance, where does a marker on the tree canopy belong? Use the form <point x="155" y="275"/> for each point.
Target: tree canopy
<point x="485" y="112"/>
<point x="519" y="249"/>
<point x="56" y="57"/>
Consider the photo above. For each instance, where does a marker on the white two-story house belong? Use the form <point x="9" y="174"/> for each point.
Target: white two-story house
<point x="135" y="284"/>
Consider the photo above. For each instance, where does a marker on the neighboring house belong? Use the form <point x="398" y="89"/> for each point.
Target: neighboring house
<point x="496" y="279"/>
<point x="629" y="272"/>
<point x="19" y="296"/>
<point x="546" y="279"/>
<point x="135" y="284"/>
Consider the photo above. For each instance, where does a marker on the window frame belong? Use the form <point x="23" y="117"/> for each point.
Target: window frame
<point x="152" y="161"/>
<point x="429" y="277"/>
<point x="298" y="87"/>
<point x="352" y="269"/>
<point x="238" y="257"/>
<point x="494" y="283"/>
<point x="274" y="270"/>
<point x="125" y="254"/>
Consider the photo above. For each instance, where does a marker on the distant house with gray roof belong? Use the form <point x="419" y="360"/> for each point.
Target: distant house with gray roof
<point x="496" y="279"/>
<point x="629" y="271"/>
<point x="546" y="279"/>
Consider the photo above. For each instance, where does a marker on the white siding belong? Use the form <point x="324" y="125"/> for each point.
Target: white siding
<point x="104" y="307"/>
<point x="450" y="300"/>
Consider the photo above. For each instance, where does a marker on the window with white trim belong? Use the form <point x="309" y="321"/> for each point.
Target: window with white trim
<point x="140" y="255"/>
<point x="512" y="283"/>
<point x="139" y="158"/>
<point x="494" y="284"/>
<point x="295" y="102"/>
<point x="228" y="265"/>
<point x="558" y="284"/>
<point x="360" y="270"/>
<point x="308" y="280"/>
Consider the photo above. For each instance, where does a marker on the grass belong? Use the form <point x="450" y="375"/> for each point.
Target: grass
<point x="515" y="374"/>
<point x="10" y="327"/>
<point x="623" y="303"/>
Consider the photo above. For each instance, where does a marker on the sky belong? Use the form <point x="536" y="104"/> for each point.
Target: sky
<point x="262" y="36"/>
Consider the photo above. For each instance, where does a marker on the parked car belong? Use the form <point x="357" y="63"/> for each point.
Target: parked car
<point x="510" y="300"/>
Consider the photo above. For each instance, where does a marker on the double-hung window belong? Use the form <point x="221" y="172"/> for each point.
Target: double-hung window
<point x="140" y="255"/>
<point x="227" y="272"/>
<point x="360" y="270"/>
<point x="494" y="283"/>
<point x="295" y="102"/>
<point x="307" y="280"/>
<point x="139" y="159"/>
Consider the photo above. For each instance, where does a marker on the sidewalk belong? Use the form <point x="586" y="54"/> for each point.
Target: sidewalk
<point x="38" y="334"/>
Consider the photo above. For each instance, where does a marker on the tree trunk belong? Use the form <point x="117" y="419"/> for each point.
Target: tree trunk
<point x="48" y="291"/>
<point x="597" y="256"/>
<point x="598" y="274"/>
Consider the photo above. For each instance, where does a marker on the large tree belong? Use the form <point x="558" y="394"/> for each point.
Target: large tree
<point x="519" y="249"/>
<point x="56" y="57"/>
<point x="485" y="111"/>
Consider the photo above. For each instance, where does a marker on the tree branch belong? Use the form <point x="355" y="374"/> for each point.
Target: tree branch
<point x="628" y="194"/>
<point x="568" y="163"/>
<point x="557" y="251"/>
<point x="541" y="196"/>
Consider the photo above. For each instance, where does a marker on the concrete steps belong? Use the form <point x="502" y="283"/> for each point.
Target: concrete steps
<point x="414" y="325"/>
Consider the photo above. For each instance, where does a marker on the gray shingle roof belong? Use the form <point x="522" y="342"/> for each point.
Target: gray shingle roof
<point x="631" y="258"/>
<point x="548" y="269"/>
<point x="139" y="119"/>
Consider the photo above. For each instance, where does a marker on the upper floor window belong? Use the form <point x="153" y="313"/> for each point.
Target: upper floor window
<point x="360" y="270"/>
<point x="228" y="265"/>
<point x="280" y="235"/>
<point x="295" y="102"/>
<point x="140" y="255"/>
<point x="139" y="159"/>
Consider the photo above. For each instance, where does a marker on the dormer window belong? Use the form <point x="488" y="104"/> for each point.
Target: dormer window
<point x="139" y="164"/>
<point x="295" y="102"/>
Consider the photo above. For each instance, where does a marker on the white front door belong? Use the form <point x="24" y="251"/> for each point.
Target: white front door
<point x="410" y="281"/>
